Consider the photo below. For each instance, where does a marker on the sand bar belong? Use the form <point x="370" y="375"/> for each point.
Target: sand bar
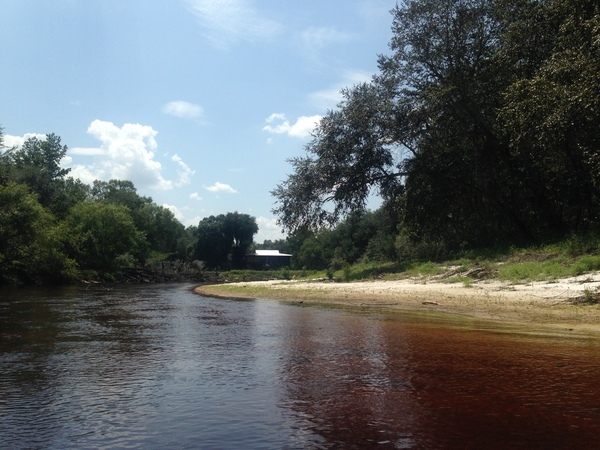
<point x="556" y="304"/>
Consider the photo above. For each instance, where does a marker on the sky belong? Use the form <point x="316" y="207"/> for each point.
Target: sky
<point x="200" y="103"/>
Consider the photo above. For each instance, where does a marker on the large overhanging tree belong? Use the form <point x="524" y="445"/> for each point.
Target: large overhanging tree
<point x="438" y="127"/>
<point x="351" y="154"/>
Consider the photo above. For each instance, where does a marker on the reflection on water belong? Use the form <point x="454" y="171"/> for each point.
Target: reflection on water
<point x="160" y="367"/>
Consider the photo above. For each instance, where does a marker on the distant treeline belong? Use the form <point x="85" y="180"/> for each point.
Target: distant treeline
<point x="55" y="229"/>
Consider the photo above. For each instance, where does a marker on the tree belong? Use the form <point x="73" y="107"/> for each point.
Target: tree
<point x="242" y="228"/>
<point x="551" y="116"/>
<point x="37" y="165"/>
<point x="30" y="241"/>
<point x="351" y="153"/>
<point x="120" y="192"/>
<point x="213" y="244"/>
<point x="445" y="84"/>
<point x="161" y="228"/>
<point x="186" y="244"/>
<point x="225" y="238"/>
<point x="310" y="254"/>
<point x="159" y="225"/>
<point x="476" y="135"/>
<point x="4" y="160"/>
<point x="430" y="97"/>
<point x="103" y="236"/>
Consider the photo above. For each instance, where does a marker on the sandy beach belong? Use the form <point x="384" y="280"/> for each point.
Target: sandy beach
<point x="557" y="304"/>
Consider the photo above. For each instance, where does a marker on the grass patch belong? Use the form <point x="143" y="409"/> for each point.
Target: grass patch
<point x="366" y="271"/>
<point x="426" y="269"/>
<point x="532" y="271"/>
<point x="588" y="263"/>
<point x="550" y="269"/>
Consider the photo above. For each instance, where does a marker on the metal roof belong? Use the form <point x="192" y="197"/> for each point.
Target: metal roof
<point x="269" y="253"/>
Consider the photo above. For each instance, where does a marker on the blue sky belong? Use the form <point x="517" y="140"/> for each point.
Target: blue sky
<point x="198" y="102"/>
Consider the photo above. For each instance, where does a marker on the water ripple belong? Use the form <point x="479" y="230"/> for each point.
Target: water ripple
<point x="159" y="367"/>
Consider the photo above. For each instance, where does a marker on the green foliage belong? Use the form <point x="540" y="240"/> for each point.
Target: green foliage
<point x="285" y="273"/>
<point x="425" y="269"/>
<point x="120" y="192"/>
<point x="550" y="269"/>
<point x="532" y="270"/>
<point x="37" y="165"/>
<point x="263" y="275"/>
<point x="225" y="239"/>
<point x="159" y="225"/>
<point x="576" y="245"/>
<point x="161" y="228"/>
<point x="186" y="244"/>
<point x="102" y="236"/>
<point x="30" y="241"/>
<point x="56" y="229"/>
<point x="480" y="128"/>
<point x="551" y="119"/>
<point x="590" y="297"/>
<point x="419" y="250"/>
<point x="362" y="235"/>
<point x="589" y="263"/>
<point x="310" y="254"/>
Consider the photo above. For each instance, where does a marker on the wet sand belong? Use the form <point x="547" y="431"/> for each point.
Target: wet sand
<point x="557" y="304"/>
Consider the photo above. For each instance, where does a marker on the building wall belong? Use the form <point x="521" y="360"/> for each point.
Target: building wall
<point x="267" y="262"/>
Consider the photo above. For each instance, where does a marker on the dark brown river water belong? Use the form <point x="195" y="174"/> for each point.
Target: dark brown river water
<point x="160" y="367"/>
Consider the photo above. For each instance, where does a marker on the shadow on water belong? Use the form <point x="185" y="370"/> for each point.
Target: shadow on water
<point x="160" y="367"/>
<point x="410" y="385"/>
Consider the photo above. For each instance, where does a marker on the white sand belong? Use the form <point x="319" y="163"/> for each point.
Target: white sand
<point x="556" y="303"/>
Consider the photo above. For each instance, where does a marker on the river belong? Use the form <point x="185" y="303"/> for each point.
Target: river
<point x="157" y="366"/>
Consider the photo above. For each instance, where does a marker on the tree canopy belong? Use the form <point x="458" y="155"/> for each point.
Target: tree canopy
<point x="54" y="228"/>
<point x="478" y="127"/>
<point x="223" y="240"/>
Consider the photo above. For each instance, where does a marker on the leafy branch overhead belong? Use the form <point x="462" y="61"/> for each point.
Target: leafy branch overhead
<point x="480" y="127"/>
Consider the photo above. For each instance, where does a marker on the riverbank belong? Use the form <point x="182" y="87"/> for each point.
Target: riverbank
<point x="568" y="303"/>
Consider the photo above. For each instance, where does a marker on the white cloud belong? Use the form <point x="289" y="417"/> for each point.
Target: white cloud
<point x="178" y="214"/>
<point x="129" y="154"/>
<point x="226" y="22"/>
<point x="18" y="141"/>
<point x="84" y="173"/>
<point x="267" y="229"/>
<point x="195" y="196"/>
<point x="87" y="151"/>
<point x="194" y="221"/>
<point x="185" y="173"/>
<point x="126" y="153"/>
<point x="183" y="110"/>
<point x="220" y="188"/>
<point x="277" y="123"/>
